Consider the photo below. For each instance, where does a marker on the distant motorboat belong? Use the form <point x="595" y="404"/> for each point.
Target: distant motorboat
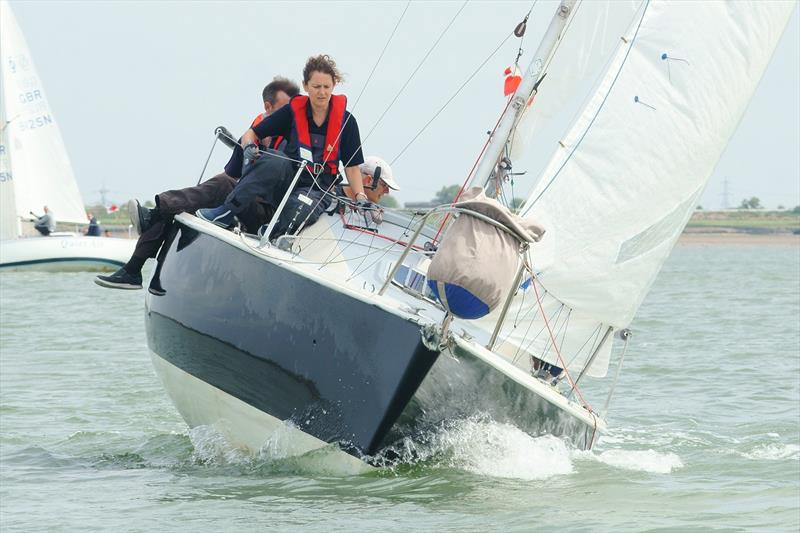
<point x="35" y="171"/>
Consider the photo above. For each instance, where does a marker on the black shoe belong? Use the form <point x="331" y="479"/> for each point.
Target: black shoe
<point x="140" y="216"/>
<point x="155" y="288"/>
<point x="121" y="279"/>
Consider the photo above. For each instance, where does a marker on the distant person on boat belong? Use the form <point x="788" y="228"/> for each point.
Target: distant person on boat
<point x="45" y="224"/>
<point x="319" y="130"/>
<point x="305" y="205"/>
<point x="94" y="228"/>
<point x="154" y="225"/>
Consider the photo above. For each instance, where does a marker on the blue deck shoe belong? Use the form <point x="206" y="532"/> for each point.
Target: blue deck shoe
<point x="221" y="216"/>
<point x="140" y="216"/>
<point x="121" y="279"/>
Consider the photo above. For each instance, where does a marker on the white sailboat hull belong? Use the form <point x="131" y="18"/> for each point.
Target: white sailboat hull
<point x="62" y="253"/>
<point x="242" y="425"/>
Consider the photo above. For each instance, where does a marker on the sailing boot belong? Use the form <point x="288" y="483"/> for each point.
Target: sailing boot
<point x="121" y="279"/>
<point x="141" y="217"/>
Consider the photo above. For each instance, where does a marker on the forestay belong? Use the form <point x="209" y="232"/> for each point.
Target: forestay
<point x="40" y="171"/>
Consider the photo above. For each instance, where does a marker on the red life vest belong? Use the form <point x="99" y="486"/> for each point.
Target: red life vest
<point x="267" y="142"/>
<point x="329" y="157"/>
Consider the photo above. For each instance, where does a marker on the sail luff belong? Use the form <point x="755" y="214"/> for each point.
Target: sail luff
<point x="9" y="221"/>
<point x="582" y="56"/>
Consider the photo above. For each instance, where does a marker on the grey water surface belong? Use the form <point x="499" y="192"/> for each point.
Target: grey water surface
<point x="704" y="430"/>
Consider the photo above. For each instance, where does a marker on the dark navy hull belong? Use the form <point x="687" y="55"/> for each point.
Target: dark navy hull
<point x="337" y="367"/>
<point x="461" y="386"/>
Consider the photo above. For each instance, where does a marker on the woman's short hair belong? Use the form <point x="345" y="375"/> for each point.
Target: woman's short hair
<point x="321" y="63"/>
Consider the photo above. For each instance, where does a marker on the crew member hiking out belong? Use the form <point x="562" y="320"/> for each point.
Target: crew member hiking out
<point x="156" y="225"/>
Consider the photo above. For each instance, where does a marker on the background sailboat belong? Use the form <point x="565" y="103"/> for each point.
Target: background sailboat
<point x="35" y="171"/>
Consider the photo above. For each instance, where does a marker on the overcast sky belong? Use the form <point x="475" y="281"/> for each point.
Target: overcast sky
<point x="138" y="87"/>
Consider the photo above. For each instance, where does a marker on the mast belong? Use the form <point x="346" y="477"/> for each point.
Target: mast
<point x="486" y="168"/>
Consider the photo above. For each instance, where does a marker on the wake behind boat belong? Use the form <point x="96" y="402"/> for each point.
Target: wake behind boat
<point x="35" y="171"/>
<point x="348" y="336"/>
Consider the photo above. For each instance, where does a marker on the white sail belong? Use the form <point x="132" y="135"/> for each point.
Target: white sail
<point x="581" y="56"/>
<point x="616" y="196"/>
<point x="626" y="177"/>
<point x="9" y="222"/>
<point x="40" y="171"/>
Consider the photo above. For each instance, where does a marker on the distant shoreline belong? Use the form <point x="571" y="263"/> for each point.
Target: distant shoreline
<point x="730" y="238"/>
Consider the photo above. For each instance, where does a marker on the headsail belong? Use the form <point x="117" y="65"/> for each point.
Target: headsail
<point x="40" y="170"/>
<point x="625" y="178"/>
<point x="619" y="192"/>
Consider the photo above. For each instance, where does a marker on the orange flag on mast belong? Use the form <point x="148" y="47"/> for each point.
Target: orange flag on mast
<point x="513" y="79"/>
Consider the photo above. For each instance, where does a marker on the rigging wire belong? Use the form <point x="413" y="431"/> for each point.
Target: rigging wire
<point x="414" y="73"/>
<point x="466" y="82"/>
<point x="377" y="62"/>
<point x="469" y="175"/>
<point x="626" y="335"/>
<point x="572" y="383"/>
<point x="545" y="66"/>
<point x="521" y="27"/>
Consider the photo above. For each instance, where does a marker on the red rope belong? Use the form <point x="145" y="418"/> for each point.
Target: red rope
<point x="469" y="176"/>
<point x="359" y="229"/>
<point x="558" y="352"/>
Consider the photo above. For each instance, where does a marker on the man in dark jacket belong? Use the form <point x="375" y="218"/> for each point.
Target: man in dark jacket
<point x="154" y="225"/>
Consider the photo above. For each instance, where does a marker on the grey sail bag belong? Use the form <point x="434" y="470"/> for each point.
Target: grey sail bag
<point x="476" y="262"/>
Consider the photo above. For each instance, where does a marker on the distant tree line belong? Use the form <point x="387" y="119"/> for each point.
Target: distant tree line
<point x="752" y="203"/>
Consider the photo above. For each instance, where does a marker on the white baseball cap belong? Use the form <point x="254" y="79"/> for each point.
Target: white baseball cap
<point x="373" y="162"/>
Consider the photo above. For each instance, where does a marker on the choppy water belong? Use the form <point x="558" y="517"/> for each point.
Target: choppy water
<point x="704" y="431"/>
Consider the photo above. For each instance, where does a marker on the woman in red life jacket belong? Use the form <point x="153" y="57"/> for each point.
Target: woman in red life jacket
<point x="319" y="130"/>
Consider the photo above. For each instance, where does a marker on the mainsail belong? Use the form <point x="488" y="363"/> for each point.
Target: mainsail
<point x="9" y="222"/>
<point x="36" y="167"/>
<point x="627" y="175"/>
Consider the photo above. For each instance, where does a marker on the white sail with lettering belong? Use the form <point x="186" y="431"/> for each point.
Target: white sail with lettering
<point x="9" y="221"/>
<point x="38" y="169"/>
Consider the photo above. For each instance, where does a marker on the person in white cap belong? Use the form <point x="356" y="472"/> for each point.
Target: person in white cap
<point x="304" y="207"/>
<point x="386" y="181"/>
